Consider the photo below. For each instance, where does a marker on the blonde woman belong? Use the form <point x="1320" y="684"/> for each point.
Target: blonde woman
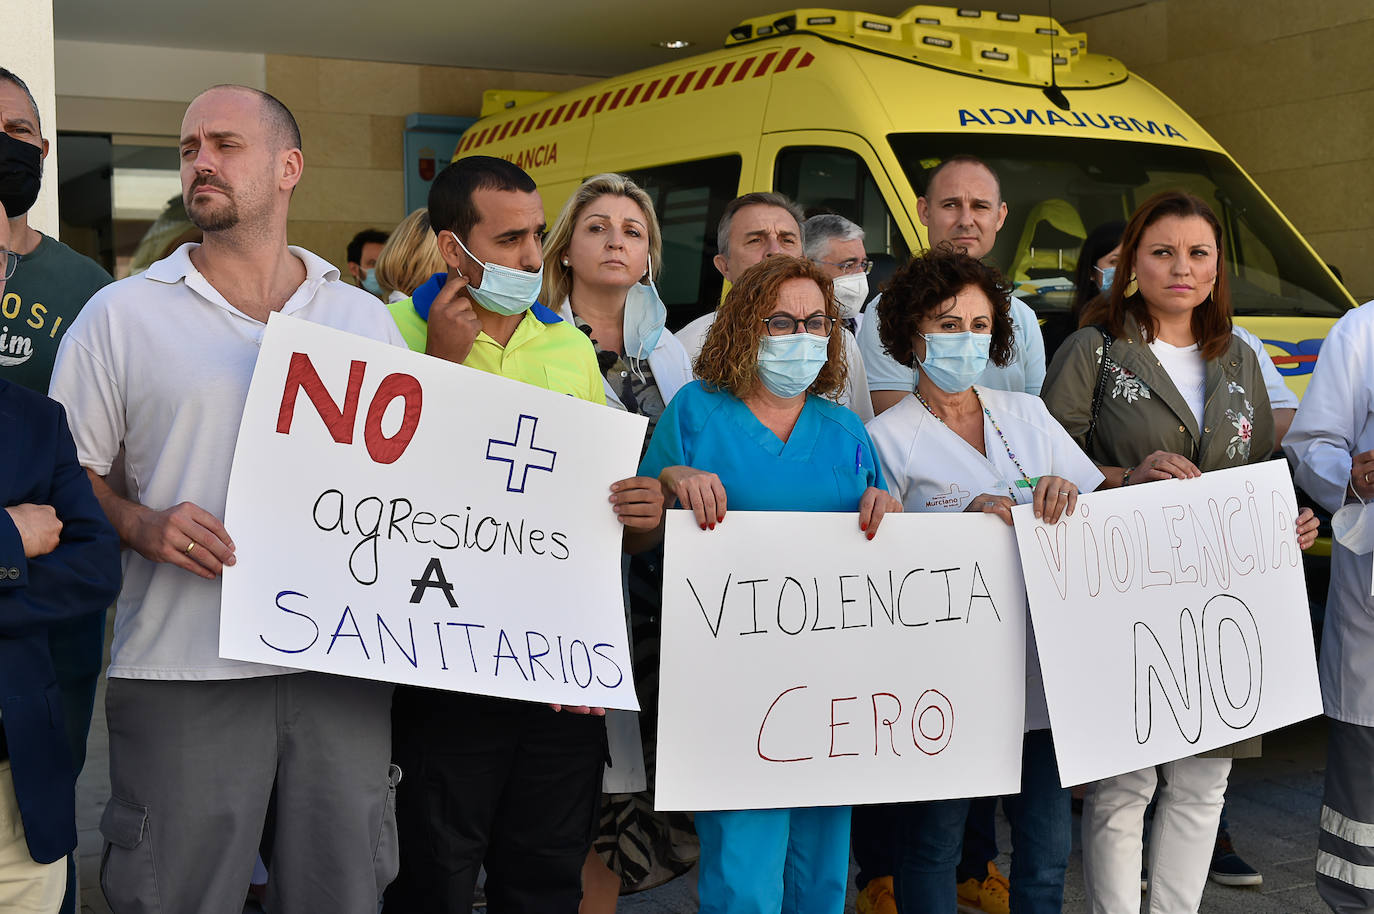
<point x="600" y="259"/>
<point x="408" y="259"/>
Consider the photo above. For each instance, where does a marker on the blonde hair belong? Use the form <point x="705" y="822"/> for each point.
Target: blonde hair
<point x="410" y="256"/>
<point x="557" y="277"/>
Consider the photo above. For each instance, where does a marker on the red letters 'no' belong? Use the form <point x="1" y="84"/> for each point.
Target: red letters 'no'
<point x="341" y="420"/>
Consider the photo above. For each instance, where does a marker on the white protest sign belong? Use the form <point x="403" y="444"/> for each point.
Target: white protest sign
<point x="401" y="518"/>
<point x="1171" y="618"/>
<point x="803" y="665"/>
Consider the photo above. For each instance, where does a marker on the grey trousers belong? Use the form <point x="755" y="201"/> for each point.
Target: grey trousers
<point x="193" y="767"/>
<point x="1345" y="845"/>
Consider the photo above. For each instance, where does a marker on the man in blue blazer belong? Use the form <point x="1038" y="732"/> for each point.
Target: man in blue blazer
<point x="59" y="559"/>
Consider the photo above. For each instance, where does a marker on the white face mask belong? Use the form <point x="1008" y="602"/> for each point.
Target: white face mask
<point x="504" y="290"/>
<point x="1353" y="526"/>
<point x="851" y="291"/>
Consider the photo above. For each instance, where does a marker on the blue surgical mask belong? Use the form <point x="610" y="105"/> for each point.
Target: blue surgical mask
<point x="788" y="365"/>
<point x="1107" y="274"/>
<point x="504" y="290"/>
<point x="370" y="282"/>
<point x="955" y="360"/>
<point x="645" y="317"/>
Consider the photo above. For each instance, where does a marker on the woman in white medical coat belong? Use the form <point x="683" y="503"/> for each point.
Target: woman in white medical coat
<point x="951" y="446"/>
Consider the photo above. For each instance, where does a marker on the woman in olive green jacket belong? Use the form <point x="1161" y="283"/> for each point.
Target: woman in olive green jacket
<point x="1174" y="395"/>
<point x="1144" y="420"/>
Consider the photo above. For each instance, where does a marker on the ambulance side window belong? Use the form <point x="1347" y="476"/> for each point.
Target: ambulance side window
<point x="826" y="179"/>
<point x="689" y="199"/>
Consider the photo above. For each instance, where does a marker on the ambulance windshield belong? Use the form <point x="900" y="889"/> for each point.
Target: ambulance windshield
<point x="1058" y="190"/>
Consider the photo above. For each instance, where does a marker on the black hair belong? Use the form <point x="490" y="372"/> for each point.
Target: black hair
<point x="929" y="280"/>
<point x="366" y="236"/>
<point x="450" y="196"/>
<point x="1098" y="244"/>
<point x="11" y="77"/>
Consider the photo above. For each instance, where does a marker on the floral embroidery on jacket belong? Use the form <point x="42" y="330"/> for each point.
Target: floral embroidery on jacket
<point x="1243" y="423"/>
<point x="1125" y="383"/>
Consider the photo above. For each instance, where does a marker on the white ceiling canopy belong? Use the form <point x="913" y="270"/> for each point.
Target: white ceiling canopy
<point x="594" y="39"/>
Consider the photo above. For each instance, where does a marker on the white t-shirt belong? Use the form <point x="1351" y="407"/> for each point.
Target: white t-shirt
<point x="160" y="363"/>
<point x="1185" y="367"/>
<point x="930" y="468"/>
<point x="855" y="394"/>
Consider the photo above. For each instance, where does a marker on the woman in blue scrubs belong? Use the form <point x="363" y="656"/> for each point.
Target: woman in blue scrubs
<point x="761" y="431"/>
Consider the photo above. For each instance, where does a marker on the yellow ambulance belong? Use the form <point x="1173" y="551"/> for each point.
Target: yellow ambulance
<point x="849" y="112"/>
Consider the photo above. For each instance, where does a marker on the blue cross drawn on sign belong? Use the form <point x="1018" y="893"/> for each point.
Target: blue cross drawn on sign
<point x="521" y="453"/>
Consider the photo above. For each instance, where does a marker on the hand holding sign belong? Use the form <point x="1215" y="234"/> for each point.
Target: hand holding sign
<point x="1164" y="465"/>
<point x="989" y="503"/>
<point x="696" y="490"/>
<point x="1054" y="497"/>
<point x="638" y="502"/>
<point x="874" y="504"/>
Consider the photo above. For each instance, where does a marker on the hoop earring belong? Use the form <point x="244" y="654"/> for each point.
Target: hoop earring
<point x="1132" y="287"/>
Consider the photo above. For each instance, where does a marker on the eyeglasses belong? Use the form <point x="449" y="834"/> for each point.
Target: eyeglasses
<point x="786" y="324"/>
<point x="849" y="266"/>
<point x="11" y="262"/>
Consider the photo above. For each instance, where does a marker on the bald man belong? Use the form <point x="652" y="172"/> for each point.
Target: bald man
<point x="159" y="364"/>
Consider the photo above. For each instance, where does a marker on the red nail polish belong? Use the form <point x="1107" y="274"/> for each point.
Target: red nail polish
<point x="703" y="526"/>
<point x="873" y="534"/>
<point x="863" y="525"/>
<point x="712" y="527"/>
<point x="720" y="519"/>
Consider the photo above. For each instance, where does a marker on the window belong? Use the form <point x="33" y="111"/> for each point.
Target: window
<point x="1058" y="190"/>
<point x="689" y="198"/>
<point x="825" y="179"/>
<point x="120" y="204"/>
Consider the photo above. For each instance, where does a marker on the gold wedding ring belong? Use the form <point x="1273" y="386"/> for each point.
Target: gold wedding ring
<point x="189" y="546"/>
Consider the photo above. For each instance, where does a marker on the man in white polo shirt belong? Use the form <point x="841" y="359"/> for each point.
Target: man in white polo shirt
<point x="160" y="364"/>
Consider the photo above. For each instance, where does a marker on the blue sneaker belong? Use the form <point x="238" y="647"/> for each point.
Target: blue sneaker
<point x="1228" y="868"/>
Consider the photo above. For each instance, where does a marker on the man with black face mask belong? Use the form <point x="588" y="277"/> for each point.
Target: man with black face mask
<point x="48" y="289"/>
<point x="52" y="282"/>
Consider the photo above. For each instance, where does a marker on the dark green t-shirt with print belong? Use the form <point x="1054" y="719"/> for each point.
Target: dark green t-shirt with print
<point x="42" y="298"/>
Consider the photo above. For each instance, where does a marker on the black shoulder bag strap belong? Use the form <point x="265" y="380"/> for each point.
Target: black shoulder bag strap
<point x="1100" y="389"/>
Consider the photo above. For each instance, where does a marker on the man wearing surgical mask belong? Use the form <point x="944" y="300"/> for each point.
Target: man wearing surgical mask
<point x="1331" y="448"/>
<point x="362" y="253"/>
<point x="754" y="227"/>
<point x="963" y="206"/>
<point x="50" y="286"/>
<point x="512" y="785"/>
<point x="836" y="246"/>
